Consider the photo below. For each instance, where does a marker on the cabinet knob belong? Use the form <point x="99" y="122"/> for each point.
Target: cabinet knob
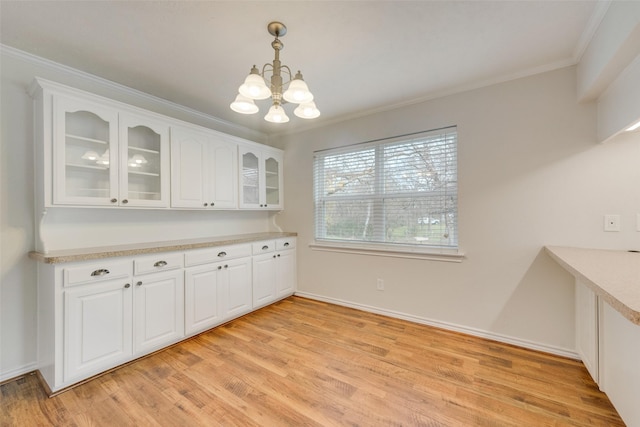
<point x="127" y="286"/>
<point x="278" y="255"/>
<point x="125" y="201"/>
<point x="160" y="264"/>
<point x="274" y="256"/>
<point x="100" y="272"/>
<point x="219" y="267"/>
<point x="212" y="203"/>
<point x="114" y="200"/>
<point x="139" y="284"/>
<point x="206" y="204"/>
<point x="226" y="266"/>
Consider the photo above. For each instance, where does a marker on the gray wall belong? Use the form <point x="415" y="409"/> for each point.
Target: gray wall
<point x="530" y="174"/>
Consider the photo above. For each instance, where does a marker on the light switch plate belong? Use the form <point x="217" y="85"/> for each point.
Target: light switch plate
<point x="611" y="222"/>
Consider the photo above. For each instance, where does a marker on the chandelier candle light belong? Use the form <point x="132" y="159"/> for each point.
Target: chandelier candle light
<point x="255" y="87"/>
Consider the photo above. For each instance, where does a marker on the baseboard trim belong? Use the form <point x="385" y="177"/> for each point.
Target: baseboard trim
<point x="13" y="374"/>
<point x="531" y="345"/>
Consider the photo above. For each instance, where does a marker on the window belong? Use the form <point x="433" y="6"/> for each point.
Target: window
<point x="399" y="192"/>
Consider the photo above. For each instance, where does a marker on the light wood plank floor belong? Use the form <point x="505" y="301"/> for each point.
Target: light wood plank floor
<point x="305" y="363"/>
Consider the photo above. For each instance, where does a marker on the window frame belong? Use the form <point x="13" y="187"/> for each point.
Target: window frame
<point x="378" y="197"/>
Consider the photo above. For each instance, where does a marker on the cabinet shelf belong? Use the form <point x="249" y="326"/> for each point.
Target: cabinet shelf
<point x="144" y="150"/>
<point x="86" y="139"/>
<point x="143" y="173"/>
<point x="80" y="166"/>
<point x="148" y="193"/>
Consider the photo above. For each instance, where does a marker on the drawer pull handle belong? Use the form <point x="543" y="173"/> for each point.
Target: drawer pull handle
<point x="222" y="254"/>
<point x="286" y="244"/>
<point x="100" y="272"/>
<point x="160" y="264"/>
<point x="265" y="247"/>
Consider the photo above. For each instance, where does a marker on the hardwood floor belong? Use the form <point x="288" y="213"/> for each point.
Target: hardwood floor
<point x="306" y="363"/>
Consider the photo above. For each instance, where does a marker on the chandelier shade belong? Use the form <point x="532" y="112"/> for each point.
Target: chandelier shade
<point x="307" y="111"/>
<point x="276" y="114"/>
<point x="244" y="105"/>
<point x="257" y="86"/>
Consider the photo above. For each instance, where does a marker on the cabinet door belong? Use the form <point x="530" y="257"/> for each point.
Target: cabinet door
<point x="144" y="161"/>
<point x="286" y="272"/>
<point x="189" y="157"/>
<point x="97" y="327"/>
<point x="587" y="329"/>
<point x="158" y="310"/>
<point x="222" y="174"/>
<point x="203" y="291"/>
<point x="264" y="279"/>
<point x="273" y="180"/>
<point x="250" y="179"/>
<point x="237" y="293"/>
<point x="85" y="153"/>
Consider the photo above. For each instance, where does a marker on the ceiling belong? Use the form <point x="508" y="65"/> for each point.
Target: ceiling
<point x="356" y="56"/>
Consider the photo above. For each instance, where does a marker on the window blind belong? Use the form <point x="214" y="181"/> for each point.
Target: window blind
<point x="396" y="191"/>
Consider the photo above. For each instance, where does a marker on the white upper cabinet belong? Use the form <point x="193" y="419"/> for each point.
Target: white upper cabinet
<point x="144" y="161"/>
<point x="106" y="157"/>
<point x="84" y="153"/>
<point x="96" y="152"/>
<point x="203" y="170"/>
<point x="260" y="178"/>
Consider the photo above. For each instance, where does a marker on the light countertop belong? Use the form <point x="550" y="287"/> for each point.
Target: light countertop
<point x="612" y="275"/>
<point x="84" y="254"/>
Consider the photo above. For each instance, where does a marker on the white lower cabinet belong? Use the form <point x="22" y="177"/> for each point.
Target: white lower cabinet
<point x="587" y="340"/>
<point x="608" y="345"/>
<point x="97" y="328"/>
<point x="158" y="310"/>
<point x="274" y="270"/>
<point x="96" y="315"/>
<point x="217" y="286"/>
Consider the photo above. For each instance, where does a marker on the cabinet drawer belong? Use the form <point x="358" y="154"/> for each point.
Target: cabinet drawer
<point x="96" y="272"/>
<point x="264" y="247"/>
<point x="219" y="253"/>
<point x="158" y="262"/>
<point x="283" y="244"/>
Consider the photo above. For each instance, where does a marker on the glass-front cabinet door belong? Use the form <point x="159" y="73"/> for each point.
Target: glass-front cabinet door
<point x="85" y="153"/>
<point x="272" y="181"/>
<point x="250" y="171"/>
<point x="144" y="162"/>
<point x="260" y="179"/>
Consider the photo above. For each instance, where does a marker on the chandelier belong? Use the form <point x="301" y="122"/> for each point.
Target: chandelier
<point x="255" y="87"/>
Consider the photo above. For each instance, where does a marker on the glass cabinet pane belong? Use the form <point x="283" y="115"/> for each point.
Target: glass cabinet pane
<point x="144" y="148"/>
<point x="86" y="154"/>
<point x="272" y="183"/>
<point x="250" y="188"/>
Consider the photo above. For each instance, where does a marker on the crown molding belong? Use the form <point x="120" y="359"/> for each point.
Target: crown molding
<point x="126" y="90"/>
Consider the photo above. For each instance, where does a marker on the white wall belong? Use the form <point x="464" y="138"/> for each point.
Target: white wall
<point x="64" y="227"/>
<point x="530" y="174"/>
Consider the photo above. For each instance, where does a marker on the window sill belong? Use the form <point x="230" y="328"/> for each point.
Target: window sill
<point x="447" y="255"/>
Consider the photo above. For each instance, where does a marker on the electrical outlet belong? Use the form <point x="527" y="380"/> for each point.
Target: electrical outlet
<point x="611" y="222"/>
<point x="380" y="285"/>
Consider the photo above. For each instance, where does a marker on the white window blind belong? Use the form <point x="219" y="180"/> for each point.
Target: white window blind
<point x="396" y="191"/>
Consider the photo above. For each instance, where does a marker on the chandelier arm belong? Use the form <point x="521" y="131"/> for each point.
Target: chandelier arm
<point x="265" y="69"/>
<point x="283" y="67"/>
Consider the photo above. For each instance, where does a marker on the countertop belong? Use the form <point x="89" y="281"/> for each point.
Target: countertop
<point x="612" y="275"/>
<point x="84" y="254"/>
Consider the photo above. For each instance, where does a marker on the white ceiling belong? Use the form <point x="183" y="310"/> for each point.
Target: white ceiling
<point x="356" y="56"/>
